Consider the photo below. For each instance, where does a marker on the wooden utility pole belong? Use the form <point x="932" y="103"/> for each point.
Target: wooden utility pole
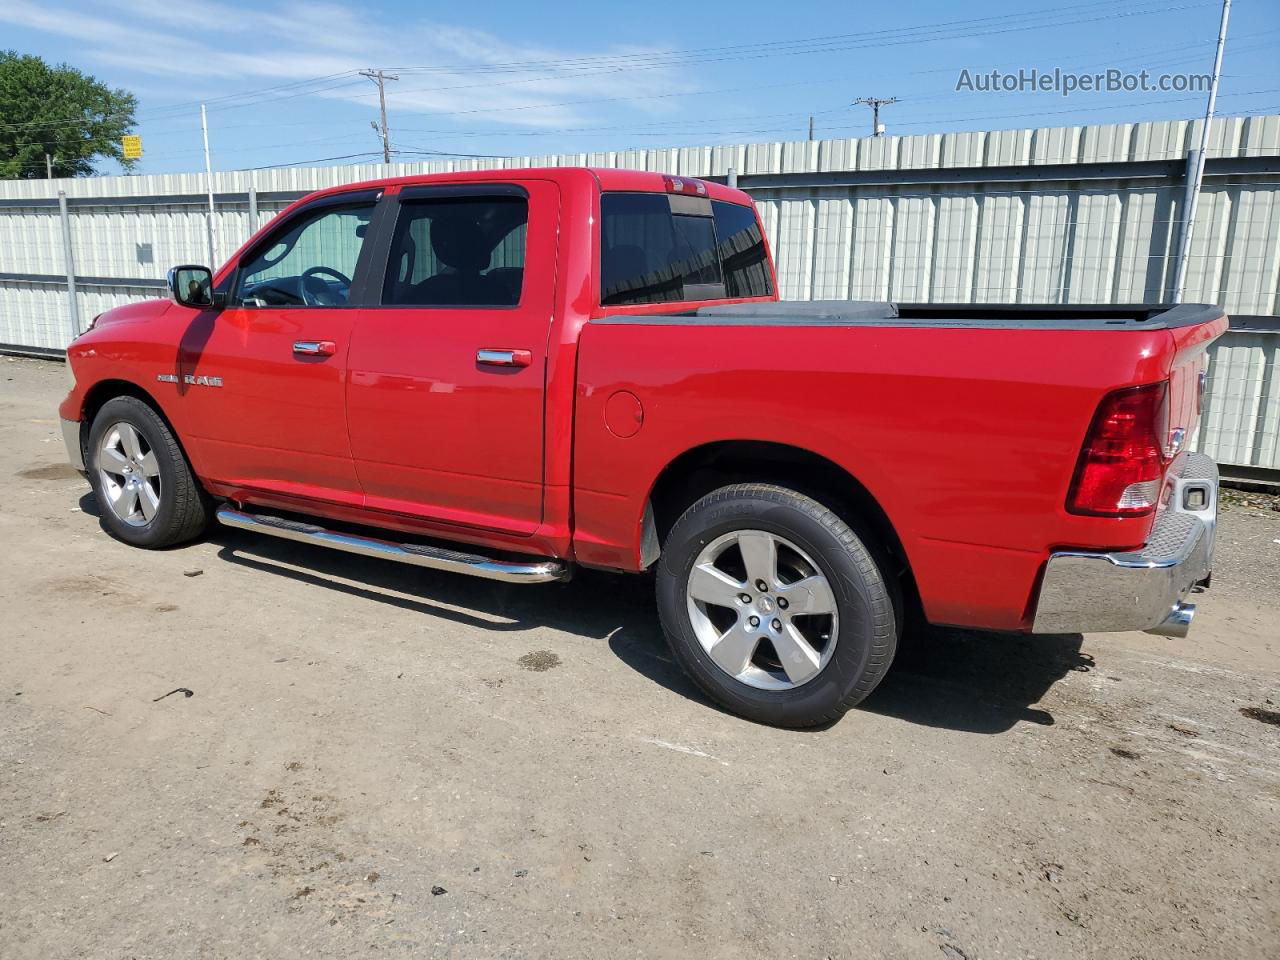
<point x="875" y="103"/>
<point x="380" y="78"/>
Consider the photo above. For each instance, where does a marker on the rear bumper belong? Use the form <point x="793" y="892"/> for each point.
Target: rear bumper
<point x="1085" y="592"/>
<point x="71" y="437"/>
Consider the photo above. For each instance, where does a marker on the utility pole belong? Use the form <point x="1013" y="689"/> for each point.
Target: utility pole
<point x="875" y="103"/>
<point x="1195" y="163"/>
<point x="811" y="128"/>
<point x="48" y="165"/>
<point x="208" y="182"/>
<point x="380" y="78"/>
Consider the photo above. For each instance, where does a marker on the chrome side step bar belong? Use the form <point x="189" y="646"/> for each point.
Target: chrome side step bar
<point x="436" y="558"/>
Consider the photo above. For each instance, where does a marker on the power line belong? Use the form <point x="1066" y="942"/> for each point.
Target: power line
<point x="861" y="41"/>
<point x="692" y="93"/>
<point x="753" y="47"/>
<point x="446" y="153"/>
<point x="295" y="163"/>
<point x="1002" y="116"/>
<point x="702" y="122"/>
<point x="932" y="33"/>
<point x="798" y="113"/>
<point x="324" y="84"/>
<point x="167" y="110"/>
<point x="1270" y="109"/>
<point x="702" y="128"/>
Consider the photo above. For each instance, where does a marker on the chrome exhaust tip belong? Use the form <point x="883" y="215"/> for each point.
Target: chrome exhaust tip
<point x="1177" y="623"/>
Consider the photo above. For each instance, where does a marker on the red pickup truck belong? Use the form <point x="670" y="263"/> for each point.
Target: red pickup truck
<point x="562" y="367"/>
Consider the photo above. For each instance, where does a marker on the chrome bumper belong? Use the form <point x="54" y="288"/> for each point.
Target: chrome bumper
<point x="71" y="437"/>
<point x="1143" y="589"/>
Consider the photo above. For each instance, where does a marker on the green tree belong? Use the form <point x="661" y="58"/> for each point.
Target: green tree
<point x="61" y="112"/>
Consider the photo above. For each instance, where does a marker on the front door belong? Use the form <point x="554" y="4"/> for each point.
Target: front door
<point x="276" y="420"/>
<point x="445" y="404"/>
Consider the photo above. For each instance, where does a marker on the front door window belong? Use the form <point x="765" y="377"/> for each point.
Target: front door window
<point x="310" y="263"/>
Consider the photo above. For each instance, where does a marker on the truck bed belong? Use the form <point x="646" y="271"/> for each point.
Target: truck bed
<point x="974" y="316"/>
<point x="964" y="423"/>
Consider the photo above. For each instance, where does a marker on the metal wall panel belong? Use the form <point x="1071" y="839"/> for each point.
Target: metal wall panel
<point x="916" y="237"/>
<point x="1240" y="423"/>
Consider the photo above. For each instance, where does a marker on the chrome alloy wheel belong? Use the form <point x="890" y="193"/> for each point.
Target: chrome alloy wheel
<point x="762" y="609"/>
<point x="130" y="474"/>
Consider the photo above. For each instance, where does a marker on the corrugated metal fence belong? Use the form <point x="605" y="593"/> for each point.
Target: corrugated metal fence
<point x="1053" y="215"/>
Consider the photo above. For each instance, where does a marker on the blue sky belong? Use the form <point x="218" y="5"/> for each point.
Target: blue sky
<point x="516" y="78"/>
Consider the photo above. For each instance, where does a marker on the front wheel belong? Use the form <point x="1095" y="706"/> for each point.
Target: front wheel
<point x="774" y="606"/>
<point x="146" y="491"/>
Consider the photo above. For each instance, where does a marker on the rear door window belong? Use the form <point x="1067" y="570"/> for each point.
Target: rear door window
<point x="458" y="252"/>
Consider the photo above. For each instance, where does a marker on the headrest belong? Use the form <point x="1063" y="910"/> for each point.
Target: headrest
<point x="458" y="242"/>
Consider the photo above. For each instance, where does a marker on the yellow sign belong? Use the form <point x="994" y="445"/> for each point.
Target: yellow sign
<point x="132" y="147"/>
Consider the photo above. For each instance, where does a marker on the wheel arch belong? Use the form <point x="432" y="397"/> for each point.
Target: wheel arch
<point x="698" y="471"/>
<point x="97" y="396"/>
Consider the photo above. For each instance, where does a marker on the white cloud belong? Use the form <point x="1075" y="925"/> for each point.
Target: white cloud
<point x="209" y="48"/>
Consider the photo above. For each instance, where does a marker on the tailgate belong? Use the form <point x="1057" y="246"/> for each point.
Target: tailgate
<point x="1188" y="377"/>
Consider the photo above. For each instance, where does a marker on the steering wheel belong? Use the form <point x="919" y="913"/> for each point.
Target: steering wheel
<point x="315" y="292"/>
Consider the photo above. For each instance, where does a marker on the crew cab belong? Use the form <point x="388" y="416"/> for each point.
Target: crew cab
<point x="514" y="373"/>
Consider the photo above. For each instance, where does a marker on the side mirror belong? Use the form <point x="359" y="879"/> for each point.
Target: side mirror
<point x="192" y="286"/>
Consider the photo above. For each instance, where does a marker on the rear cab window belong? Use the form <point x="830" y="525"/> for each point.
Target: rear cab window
<point x="664" y="248"/>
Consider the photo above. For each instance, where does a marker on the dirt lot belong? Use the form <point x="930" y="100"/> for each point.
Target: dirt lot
<point x="376" y="760"/>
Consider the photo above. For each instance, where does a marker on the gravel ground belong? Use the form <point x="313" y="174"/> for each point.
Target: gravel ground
<point x="376" y="760"/>
<point x="1249" y="545"/>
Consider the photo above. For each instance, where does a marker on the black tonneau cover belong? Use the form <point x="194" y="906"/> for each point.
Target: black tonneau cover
<point x="984" y="316"/>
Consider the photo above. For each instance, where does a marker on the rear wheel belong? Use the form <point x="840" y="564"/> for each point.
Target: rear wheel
<point x="775" y="606"/>
<point x="146" y="492"/>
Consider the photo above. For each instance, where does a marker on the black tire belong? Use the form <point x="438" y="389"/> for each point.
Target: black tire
<point x="866" y="636"/>
<point x="184" y="507"/>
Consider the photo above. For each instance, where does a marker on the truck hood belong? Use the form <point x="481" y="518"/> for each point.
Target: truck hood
<point x="140" y="312"/>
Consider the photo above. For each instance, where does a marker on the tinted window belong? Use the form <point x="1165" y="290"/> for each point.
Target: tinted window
<point x="650" y="255"/>
<point x="742" y="253"/>
<point x="458" y="251"/>
<point x="310" y="262"/>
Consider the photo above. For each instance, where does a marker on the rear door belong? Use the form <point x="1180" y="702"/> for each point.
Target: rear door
<point x="445" y="403"/>
<point x="270" y="413"/>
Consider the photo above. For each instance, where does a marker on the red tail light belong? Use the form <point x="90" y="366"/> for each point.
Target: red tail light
<point x="1123" y="461"/>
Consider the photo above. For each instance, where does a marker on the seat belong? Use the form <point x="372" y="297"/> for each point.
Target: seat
<point x="512" y="278"/>
<point x="460" y="244"/>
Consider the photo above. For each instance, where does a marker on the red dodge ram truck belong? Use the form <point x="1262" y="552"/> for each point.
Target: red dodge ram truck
<point x="512" y="373"/>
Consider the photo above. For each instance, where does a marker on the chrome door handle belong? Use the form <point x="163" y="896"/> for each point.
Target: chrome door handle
<point x="315" y="348"/>
<point x="505" y="358"/>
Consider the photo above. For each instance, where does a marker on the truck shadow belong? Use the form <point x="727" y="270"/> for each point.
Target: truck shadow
<point x="965" y="680"/>
<point x="955" y="679"/>
<point x="976" y="681"/>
